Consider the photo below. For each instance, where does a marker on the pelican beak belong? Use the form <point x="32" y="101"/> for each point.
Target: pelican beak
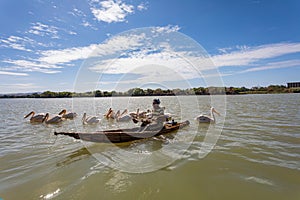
<point x="46" y="117"/>
<point x="217" y="112"/>
<point x="62" y="112"/>
<point x="28" y="114"/>
<point x="84" y="116"/>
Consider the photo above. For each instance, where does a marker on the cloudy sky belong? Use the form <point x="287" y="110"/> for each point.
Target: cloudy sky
<point x="50" y="45"/>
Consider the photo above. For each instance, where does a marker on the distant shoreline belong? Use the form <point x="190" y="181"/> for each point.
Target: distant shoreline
<point x="272" y="89"/>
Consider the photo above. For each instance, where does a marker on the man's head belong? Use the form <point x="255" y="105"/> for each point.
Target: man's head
<point x="156" y="102"/>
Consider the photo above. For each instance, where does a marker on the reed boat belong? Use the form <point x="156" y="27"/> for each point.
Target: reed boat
<point x="126" y="135"/>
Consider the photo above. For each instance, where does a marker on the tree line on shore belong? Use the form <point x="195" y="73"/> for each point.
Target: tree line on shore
<point x="161" y="92"/>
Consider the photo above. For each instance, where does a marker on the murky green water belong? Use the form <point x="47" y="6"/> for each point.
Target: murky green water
<point x="256" y="157"/>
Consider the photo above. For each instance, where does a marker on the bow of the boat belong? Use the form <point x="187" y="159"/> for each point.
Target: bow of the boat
<point x="185" y="123"/>
<point x="74" y="135"/>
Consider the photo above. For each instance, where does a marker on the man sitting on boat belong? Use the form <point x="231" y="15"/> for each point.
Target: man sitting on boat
<point x="157" y="110"/>
<point x="157" y="118"/>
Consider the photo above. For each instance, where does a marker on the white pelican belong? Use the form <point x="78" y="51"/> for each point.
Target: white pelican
<point x="110" y="114"/>
<point x="123" y="117"/>
<point x="168" y="116"/>
<point x="90" y="120"/>
<point x="53" y="120"/>
<point x="35" y="118"/>
<point x="70" y="115"/>
<point x="138" y="114"/>
<point x="208" y="119"/>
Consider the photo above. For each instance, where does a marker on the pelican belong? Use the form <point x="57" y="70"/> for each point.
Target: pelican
<point x="208" y="119"/>
<point x="139" y="114"/>
<point x="109" y="114"/>
<point x="123" y="117"/>
<point x="168" y="116"/>
<point x="70" y="115"/>
<point x="112" y="115"/>
<point x="90" y="120"/>
<point x="35" y="118"/>
<point x="53" y="120"/>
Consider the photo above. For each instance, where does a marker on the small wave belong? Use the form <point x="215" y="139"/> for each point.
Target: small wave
<point x="273" y="162"/>
<point x="50" y="195"/>
<point x="259" y="180"/>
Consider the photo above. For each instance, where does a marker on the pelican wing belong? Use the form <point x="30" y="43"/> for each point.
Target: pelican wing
<point x="38" y="117"/>
<point x="71" y="115"/>
<point x="92" y="120"/>
<point x="204" y="119"/>
<point x="54" y="120"/>
<point x="124" y="118"/>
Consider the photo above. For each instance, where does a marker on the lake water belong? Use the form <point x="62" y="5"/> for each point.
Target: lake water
<point x="257" y="155"/>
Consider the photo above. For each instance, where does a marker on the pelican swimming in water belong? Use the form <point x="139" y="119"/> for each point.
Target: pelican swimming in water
<point x="35" y="118"/>
<point x="90" y="120"/>
<point x="65" y="115"/>
<point x="53" y="120"/>
<point x="110" y="114"/>
<point x="123" y="117"/>
<point x="117" y="116"/>
<point x="138" y="114"/>
<point x="208" y="119"/>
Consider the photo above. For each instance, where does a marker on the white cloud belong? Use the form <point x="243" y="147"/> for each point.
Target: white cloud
<point x="151" y="66"/>
<point x="77" y="12"/>
<point x="275" y="65"/>
<point x="72" y="33"/>
<point x="52" y="61"/>
<point x="88" y="24"/>
<point x="84" y="18"/>
<point x="116" y="44"/>
<point x="181" y="64"/>
<point x="249" y="55"/>
<point x="16" y="42"/>
<point x="111" y="11"/>
<point x="31" y="66"/>
<point x="13" y="73"/>
<point x="142" y="6"/>
<point x="55" y="57"/>
<point x="166" y="29"/>
<point x="44" y="30"/>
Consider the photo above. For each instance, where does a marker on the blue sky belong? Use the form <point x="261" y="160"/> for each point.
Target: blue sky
<point x="45" y="44"/>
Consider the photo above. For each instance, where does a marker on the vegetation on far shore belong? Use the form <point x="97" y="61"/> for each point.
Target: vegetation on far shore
<point x="160" y="92"/>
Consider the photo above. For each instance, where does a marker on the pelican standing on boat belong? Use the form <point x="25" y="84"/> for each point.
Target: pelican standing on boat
<point x="65" y="115"/>
<point x="53" y="120"/>
<point x="90" y="120"/>
<point x="35" y="118"/>
<point x="208" y="119"/>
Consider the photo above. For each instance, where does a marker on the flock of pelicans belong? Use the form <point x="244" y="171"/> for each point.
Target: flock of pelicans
<point x="125" y="116"/>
